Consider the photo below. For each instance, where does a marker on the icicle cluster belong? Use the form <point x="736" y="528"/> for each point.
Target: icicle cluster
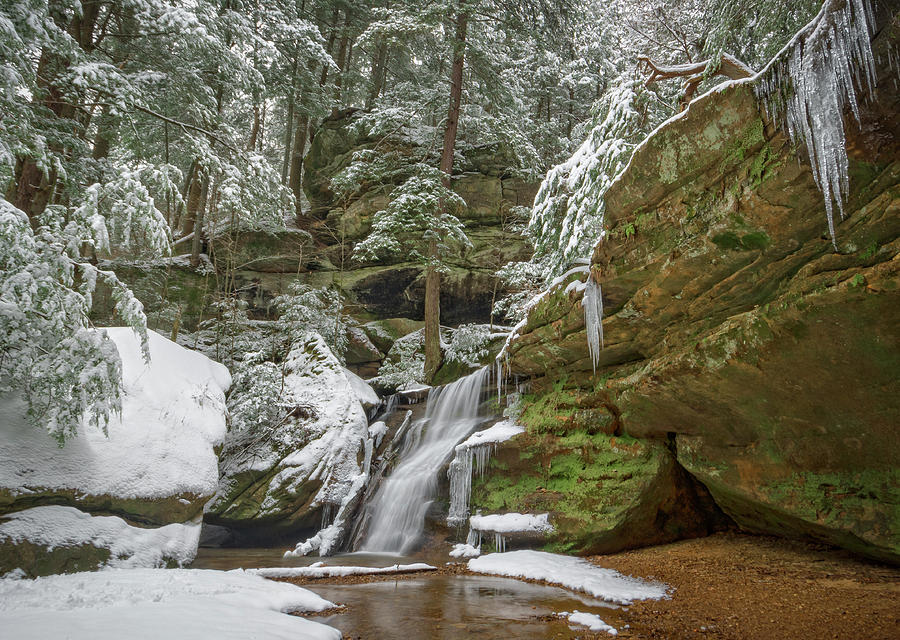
<point x="475" y="538"/>
<point x="467" y="460"/>
<point x="593" y="318"/>
<point x="809" y="84"/>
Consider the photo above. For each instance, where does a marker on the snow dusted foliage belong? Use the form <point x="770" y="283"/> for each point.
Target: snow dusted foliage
<point x="567" y="218"/>
<point x="418" y="223"/>
<point x="305" y="309"/>
<point x="64" y="369"/>
<point x="592" y="301"/>
<point x="469" y="344"/>
<point x="810" y="83"/>
<point x="405" y="362"/>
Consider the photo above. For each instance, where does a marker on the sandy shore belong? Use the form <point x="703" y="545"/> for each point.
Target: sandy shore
<point x="749" y="587"/>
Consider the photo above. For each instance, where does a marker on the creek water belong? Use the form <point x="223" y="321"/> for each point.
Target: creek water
<point x="429" y="606"/>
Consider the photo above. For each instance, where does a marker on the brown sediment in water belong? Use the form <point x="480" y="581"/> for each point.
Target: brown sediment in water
<point x="735" y="586"/>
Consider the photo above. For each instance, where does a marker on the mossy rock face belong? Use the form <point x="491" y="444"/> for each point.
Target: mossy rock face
<point x="37" y="560"/>
<point x="156" y="512"/>
<point x="734" y="331"/>
<point x="281" y="252"/>
<point x="604" y="492"/>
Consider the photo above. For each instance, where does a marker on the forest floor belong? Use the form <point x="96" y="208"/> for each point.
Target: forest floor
<point x="737" y="586"/>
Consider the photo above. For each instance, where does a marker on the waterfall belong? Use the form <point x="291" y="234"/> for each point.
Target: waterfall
<point x="399" y="506"/>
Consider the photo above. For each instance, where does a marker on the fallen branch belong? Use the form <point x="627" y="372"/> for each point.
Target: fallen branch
<point x="694" y="73"/>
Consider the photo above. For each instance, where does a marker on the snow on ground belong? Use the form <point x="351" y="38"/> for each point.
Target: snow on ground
<point x="500" y="432"/>
<point x="173" y="414"/>
<point x="58" y="526"/>
<point x="570" y="572"/>
<point x="318" y="570"/>
<point x="464" y="550"/>
<point x="188" y="604"/>
<point x="511" y="523"/>
<point x="590" y="620"/>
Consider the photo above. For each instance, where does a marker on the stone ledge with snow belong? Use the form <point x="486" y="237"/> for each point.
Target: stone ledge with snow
<point x="156" y="467"/>
<point x="293" y="477"/>
<point x="159" y="603"/>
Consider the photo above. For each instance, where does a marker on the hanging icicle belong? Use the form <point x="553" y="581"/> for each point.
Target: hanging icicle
<point x="592" y="301"/>
<point x="811" y="81"/>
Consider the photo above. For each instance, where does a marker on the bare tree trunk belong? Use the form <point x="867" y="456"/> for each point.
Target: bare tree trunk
<point x="341" y="61"/>
<point x="196" y="242"/>
<point x="254" y="130"/>
<point x="379" y="62"/>
<point x="295" y="180"/>
<point x="289" y="124"/>
<point x="195" y="193"/>
<point x="432" y="276"/>
<point x="694" y="73"/>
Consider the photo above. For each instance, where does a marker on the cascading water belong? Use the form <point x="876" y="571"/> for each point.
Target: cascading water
<point x="397" y="511"/>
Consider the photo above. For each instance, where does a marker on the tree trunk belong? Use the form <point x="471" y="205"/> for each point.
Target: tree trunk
<point x="341" y="61"/>
<point x="254" y="130"/>
<point x="300" y="136"/>
<point x="196" y="242"/>
<point x="432" y="277"/>
<point x="379" y="62"/>
<point x="289" y="124"/>
<point x="193" y="201"/>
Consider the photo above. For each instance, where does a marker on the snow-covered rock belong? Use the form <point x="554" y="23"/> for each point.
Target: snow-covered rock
<point x="159" y="603"/>
<point x="305" y="472"/>
<point x="157" y="466"/>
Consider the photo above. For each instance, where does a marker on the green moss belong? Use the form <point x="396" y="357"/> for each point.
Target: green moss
<point x="727" y="241"/>
<point x="755" y="241"/>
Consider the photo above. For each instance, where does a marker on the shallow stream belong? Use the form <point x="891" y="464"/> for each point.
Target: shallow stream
<point x="430" y="606"/>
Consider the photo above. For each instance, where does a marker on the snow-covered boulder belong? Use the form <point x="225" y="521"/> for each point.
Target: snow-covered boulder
<point x="156" y="468"/>
<point x="291" y="478"/>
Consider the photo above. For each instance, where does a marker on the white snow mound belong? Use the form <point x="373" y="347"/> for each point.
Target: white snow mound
<point x="573" y="573"/>
<point x="173" y="414"/>
<point x="188" y="604"/>
<point x="511" y="523"/>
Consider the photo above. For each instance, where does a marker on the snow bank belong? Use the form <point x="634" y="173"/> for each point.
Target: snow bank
<point x="511" y="523"/>
<point x="573" y="573"/>
<point x="326" y="444"/>
<point x="318" y="570"/>
<point x="58" y="526"/>
<point x="590" y="620"/>
<point x="158" y="603"/>
<point x="173" y="414"/>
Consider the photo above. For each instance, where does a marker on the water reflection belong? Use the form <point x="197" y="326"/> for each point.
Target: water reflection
<point x="429" y="607"/>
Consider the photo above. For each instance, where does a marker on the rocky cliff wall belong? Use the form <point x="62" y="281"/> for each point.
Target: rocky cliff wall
<point x="740" y="346"/>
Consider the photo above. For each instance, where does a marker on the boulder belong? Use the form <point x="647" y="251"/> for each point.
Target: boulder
<point x="145" y="481"/>
<point x="284" y="481"/>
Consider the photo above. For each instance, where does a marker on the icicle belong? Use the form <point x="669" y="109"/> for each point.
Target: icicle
<point x="468" y="459"/>
<point x="593" y="318"/>
<point x="812" y="80"/>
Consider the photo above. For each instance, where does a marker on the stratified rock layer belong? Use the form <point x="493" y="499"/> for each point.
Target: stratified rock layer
<point x="735" y="332"/>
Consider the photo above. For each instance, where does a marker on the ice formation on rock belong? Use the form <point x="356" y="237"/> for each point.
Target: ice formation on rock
<point x="811" y="81"/>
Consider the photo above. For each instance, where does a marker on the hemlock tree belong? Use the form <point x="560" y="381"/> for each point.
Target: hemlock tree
<point x="419" y="222"/>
